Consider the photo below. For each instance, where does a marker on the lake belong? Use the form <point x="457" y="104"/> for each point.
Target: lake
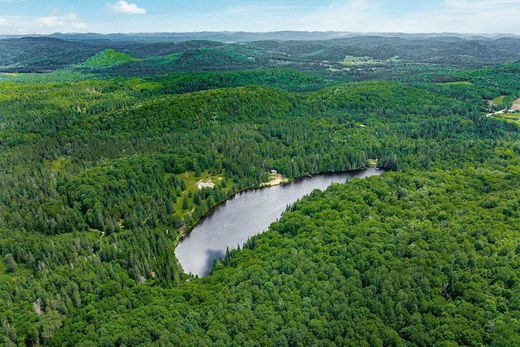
<point x="247" y="214"/>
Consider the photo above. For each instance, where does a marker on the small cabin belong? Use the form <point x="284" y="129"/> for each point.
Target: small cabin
<point x="202" y="185"/>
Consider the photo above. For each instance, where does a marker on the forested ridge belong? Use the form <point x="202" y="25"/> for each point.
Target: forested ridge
<point x="422" y="260"/>
<point x="99" y="164"/>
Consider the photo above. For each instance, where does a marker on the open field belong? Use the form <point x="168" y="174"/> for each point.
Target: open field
<point x="510" y="117"/>
<point x="274" y="180"/>
<point x="192" y="183"/>
<point x="499" y="100"/>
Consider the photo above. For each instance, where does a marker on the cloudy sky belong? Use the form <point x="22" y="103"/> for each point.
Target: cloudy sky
<point x="468" y="16"/>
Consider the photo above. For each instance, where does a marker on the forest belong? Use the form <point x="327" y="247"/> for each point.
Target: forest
<point x="100" y="147"/>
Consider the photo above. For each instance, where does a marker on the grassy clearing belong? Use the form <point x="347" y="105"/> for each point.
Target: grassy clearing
<point x="354" y="61"/>
<point x="191" y="182"/>
<point x="373" y="162"/>
<point x="458" y="83"/>
<point x="274" y="180"/>
<point x="510" y="117"/>
<point x="351" y="60"/>
<point x="499" y="100"/>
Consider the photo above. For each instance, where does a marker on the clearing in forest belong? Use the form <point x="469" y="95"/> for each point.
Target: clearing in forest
<point x="499" y="100"/>
<point x="274" y="180"/>
<point x="193" y="184"/>
<point x="516" y="106"/>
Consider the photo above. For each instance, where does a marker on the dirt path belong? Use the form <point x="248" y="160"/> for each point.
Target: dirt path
<point x="497" y="112"/>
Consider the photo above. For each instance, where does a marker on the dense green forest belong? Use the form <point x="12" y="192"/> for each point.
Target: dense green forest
<point x="199" y="52"/>
<point x="102" y="144"/>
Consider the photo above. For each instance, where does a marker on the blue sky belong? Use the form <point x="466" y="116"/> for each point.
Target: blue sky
<point x="105" y="16"/>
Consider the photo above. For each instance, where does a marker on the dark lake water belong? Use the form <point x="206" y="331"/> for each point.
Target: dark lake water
<point x="245" y="215"/>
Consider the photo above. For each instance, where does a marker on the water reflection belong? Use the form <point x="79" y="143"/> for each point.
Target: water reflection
<point x="212" y="255"/>
<point x="247" y="214"/>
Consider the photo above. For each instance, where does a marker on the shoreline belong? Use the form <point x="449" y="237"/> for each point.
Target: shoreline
<point x="187" y="231"/>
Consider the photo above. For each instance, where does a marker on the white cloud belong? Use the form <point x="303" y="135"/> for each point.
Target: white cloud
<point x="67" y="21"/>
<point x="470" y="16"/>
<point x="126" y="7"/>
<point x="256" y="9"/>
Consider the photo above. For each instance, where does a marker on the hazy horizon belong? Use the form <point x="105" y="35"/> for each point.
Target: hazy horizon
<point x="31" y="17"/>
<point x="318" y="35"/>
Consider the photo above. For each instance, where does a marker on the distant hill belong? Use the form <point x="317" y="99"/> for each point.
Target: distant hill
<point x="225" y="36"/>
<point x="36" y="54"/>
<point x="207" y="51"/>
<point x="240" y="36"/>
<point x="40" y="54"/>
<point x="108" y="58"/>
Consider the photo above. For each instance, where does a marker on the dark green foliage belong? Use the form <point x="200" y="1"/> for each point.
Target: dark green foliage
<point x="386" y="53"/>
<point x="99" y="173"/>
<point x="10" y="263"/>
<point x="403" y="259"/>
<point x="127" y="191"/>
<point x="291" y="80"/>
<point x="35" y="54"/>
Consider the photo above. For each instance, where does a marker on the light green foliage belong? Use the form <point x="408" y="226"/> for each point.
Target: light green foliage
<point x="499" y="100"/>
<point x="106" y="59"/>
<point x="408" y="258"/>
<point x="354" y="61"/>
<point x="99" y="175"/>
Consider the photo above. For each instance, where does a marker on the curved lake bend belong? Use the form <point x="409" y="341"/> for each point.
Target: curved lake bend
<point x="247" y="214"/>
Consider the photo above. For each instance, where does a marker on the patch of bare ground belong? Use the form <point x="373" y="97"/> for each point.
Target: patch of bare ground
<point x="274" y="180"/>
<point x="516" y="106"/>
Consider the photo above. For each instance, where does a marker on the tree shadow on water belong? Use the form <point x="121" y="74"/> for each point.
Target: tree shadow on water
<point x="211" y="256"/>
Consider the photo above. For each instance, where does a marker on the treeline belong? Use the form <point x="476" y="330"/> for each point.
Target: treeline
<point x="49" y="277"/>
<point x="98" y="176"/>
<point x="287" y="79"/>
<point x="117" y="168"/>
<point x="405" y="259"/>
